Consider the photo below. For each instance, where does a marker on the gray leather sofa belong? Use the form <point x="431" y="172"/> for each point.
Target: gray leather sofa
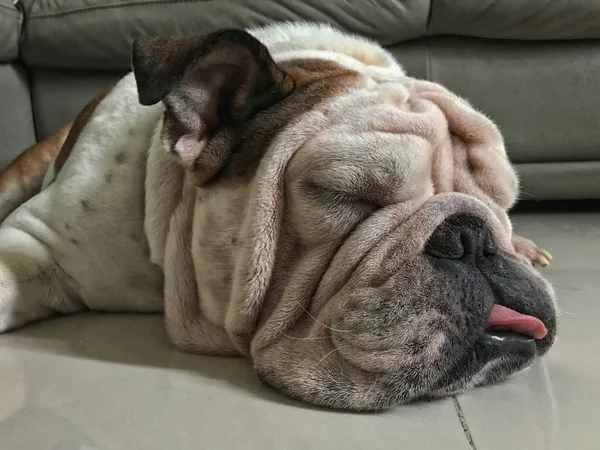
<point x="531" y="65"/>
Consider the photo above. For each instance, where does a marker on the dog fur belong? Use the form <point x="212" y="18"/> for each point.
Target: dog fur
<point x="284" y="194"/>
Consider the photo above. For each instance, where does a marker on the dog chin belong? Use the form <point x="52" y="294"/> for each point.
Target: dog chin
<point x="516" y="353"/>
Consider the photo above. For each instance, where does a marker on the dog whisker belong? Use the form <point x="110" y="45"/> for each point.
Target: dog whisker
<point x="326" y="355"/>
<point x="317" y="363"/>
<point x="293" y="369"/>
<point x="319" y="322"/>
<point x="309" y="338"/>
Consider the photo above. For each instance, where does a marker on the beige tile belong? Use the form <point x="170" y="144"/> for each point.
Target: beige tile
<point x="114" y="382"/>
<point x="556" y="404"/>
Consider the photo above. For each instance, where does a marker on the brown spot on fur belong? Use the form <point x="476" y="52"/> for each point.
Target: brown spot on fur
<point x="75" y="242"/>
<point x="68" y="227"/>
<point x="121" y="158"/>
<point x="233" y="240"/>
<point x="108" y="177"/>
<point x="86" y="206"/>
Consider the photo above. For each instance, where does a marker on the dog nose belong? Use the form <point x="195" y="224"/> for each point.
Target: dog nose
<point x="460" y="236"/>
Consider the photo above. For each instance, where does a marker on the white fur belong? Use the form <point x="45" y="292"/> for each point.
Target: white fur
<point x="87" y="229"/>
<point x="99" y="231"/>
<point x="320" y="41"/>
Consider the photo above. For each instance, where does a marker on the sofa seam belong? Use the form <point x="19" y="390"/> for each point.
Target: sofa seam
<point x="27" y="70"/>
<point x="426" y="42"/>
<point x="429" y="15"/>
<point x="71" y="12"/>
<point x="428" y="74"/>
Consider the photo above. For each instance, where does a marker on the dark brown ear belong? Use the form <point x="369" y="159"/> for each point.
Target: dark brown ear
<point x="206" y="82"/>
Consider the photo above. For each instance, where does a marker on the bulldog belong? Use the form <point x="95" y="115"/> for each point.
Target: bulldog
<point x="290" y="195"/>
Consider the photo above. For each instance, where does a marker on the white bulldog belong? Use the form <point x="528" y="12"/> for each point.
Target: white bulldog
<point x="287" y="194"/>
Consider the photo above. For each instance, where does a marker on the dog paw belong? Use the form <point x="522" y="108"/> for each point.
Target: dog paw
<point x="538" y="256"/>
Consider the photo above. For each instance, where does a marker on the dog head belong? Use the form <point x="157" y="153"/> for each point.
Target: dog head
<point x="359" y="249"/>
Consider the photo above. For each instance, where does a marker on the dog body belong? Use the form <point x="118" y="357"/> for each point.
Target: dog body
<point x="86" y="225"/>
<point x="292" y="202"/>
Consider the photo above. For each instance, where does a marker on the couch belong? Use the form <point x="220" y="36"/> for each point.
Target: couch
<point x="531" y="65"/>
<point x="110" y="381"/>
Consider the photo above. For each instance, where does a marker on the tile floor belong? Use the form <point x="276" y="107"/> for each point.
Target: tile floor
<point x="114" y="382"/>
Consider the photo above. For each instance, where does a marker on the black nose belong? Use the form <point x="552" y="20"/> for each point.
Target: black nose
<point x="460" y="236"/>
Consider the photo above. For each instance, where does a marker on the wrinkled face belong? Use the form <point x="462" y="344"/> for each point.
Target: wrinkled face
<point x="429" y="303"/>
<point x="438" y="303"/>
<point x="420" y="300"/>
<point x="423" y="297"/>
<point x="359" y="219"/>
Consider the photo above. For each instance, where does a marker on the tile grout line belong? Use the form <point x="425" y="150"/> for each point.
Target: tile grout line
<point x="463" y="423"/>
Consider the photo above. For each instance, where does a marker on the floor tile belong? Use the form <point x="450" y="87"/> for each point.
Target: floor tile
<point x="555" y="405"/>
<point x="114" y="382"/>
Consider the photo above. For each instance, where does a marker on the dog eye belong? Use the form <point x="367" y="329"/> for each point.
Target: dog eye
<point x="330" y="196"/>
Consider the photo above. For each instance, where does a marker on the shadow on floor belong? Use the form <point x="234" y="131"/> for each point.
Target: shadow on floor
<point x="141" y="340"/>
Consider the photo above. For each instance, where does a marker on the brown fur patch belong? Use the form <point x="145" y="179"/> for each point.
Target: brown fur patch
<point x="23" y="178"/>
<point x="315" y="81"/>
<point x="85" y="205"/>
<point x="33" y="163"/>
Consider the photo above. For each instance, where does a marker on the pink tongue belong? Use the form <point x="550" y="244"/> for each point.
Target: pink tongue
<point x="507" y="318"/>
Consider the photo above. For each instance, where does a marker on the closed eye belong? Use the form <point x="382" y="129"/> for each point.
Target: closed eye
<point x="320" y="194"/>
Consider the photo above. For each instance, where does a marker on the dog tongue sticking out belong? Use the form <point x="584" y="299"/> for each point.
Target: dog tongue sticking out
<point x="509" y="319"/>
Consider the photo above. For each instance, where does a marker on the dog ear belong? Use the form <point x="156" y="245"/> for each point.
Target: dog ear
<point x="206" y="82"/>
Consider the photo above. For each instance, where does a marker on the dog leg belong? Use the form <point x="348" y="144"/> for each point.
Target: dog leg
<point x="538" y="256"/>
<point x="32" y="285"/>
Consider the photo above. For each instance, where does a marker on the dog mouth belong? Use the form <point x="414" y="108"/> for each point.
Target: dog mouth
<point x="505" y="319"/>
<point x="508" y="345"/>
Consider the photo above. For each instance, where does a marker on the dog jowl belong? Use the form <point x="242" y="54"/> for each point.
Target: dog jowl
<point x="287" y="194"/>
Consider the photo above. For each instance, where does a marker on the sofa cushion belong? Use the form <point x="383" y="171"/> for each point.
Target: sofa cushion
<point x="560" y="181"/>
<point x="543" y="95"/>
<point x="16" y="118"/>
<point x="517" y="19"/>
<point x="59" y="95"/>
<point x="10" y="27"/>
<point x="96" y="34"/>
